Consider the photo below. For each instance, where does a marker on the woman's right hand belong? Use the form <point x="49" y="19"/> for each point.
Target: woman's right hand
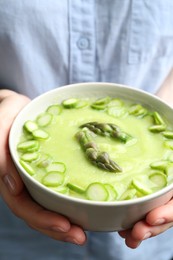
<point x="12" y="188"/>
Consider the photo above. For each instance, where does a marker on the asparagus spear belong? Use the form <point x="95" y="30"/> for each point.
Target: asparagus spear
<point x="107" y="129"/>
<point x="100" y="159"/>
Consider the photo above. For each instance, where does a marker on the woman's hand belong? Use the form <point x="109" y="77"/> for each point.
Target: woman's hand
<point x="11" y="186"/>
<point x="155" y="223"/>
<point x="160" y="219"/>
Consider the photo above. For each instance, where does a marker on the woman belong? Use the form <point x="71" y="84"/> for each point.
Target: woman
<point x="45" y="44"/>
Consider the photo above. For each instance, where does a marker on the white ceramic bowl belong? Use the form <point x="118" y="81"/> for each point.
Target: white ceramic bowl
<point x="94" y="216"/>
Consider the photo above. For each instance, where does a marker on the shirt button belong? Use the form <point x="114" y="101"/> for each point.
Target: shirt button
<point x="83" y="43"/>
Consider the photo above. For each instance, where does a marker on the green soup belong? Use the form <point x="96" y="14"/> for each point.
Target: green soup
<point x="106" y="149"/>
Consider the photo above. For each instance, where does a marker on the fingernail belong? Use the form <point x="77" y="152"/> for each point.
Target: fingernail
<point x="10" y="183"/>
<point x="159" y="221"/>
<point x="60" y="229"/>
<point x="138" y="244"/>
<point x="147" y="235"/>
<point x="72" y="240"/>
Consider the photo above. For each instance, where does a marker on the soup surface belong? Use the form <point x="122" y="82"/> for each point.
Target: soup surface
<point x="98" y="149"/>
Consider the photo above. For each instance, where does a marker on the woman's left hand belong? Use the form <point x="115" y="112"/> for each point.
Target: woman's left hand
<point x="156" y="222"/>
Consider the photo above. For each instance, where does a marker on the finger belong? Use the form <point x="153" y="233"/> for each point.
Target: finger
<point x="156" y="222"/>
<point x="11" y="179"/>
<point x="47" y="222"/>
<point x="41" y="219"/>
<point x="123" y="233"/>
<point x="75" y="235"/>
<point x="161" y="215"/>
<point x="142" y="231"/>
<point x="133" y="237"/>
<point x="130" y="241"/>
<point x="24" y="207"/>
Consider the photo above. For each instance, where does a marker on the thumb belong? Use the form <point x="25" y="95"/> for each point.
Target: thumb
<point x="10" y="180"/>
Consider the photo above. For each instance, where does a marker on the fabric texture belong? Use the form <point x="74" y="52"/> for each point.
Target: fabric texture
<point x="47" y="44"/>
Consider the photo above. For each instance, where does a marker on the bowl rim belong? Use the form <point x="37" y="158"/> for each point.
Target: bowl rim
<point x="140" y="200"/>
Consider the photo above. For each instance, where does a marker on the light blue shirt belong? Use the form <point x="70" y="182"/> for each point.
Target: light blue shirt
<point x="47" y="44"/>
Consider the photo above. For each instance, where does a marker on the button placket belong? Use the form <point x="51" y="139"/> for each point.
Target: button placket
<point x="82" y="41"/>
